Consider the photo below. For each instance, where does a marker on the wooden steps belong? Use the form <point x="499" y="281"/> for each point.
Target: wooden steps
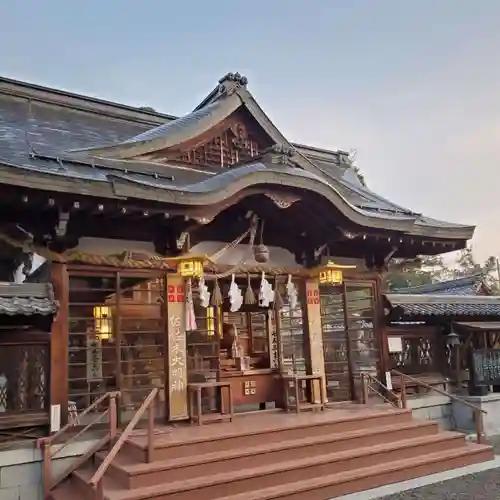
<point x="280" y="457"/>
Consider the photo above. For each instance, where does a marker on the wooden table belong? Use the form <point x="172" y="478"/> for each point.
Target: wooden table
<point x="297" y="379"/>
<point x="194" y="399"/>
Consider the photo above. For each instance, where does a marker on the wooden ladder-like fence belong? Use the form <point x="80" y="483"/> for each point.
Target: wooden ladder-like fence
<point x="50" y="448"/>
<point x="371" y="383"/>
<point x="148" y="405"/>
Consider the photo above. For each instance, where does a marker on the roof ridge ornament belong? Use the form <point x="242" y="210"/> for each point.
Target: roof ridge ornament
<point x="231" y="82"/>
<point x="279" y="153"/>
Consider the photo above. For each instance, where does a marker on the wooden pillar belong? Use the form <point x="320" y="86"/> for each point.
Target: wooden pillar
<point x="315" y="336"/>
<point x="176" y="377"/>
<point x="380" y="329"/>
<point x="59" y="341"/>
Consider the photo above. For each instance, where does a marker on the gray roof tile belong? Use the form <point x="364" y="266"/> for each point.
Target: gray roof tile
<point x="461" y="286"/>
<point x="445" y="305"/>
<point x="52" y="130"/>
<point x="27" y="299"/>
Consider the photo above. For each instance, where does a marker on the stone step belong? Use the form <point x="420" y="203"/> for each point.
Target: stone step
<point x="213" y="486"/>
<point x="357" y="480"/>
<point x="226" y="436"/>
<point x="131" y="474"/>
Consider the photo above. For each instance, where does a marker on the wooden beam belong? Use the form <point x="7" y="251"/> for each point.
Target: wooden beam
<point x="59" y="342"/>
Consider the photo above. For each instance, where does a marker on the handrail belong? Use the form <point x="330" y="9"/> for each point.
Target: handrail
<point x="76" y="436"/>
<point x="478" y="412"/>
<point x="365" y="379"/>
<point x="49" y="481"/>
<point x="96" y="480"/>
<point x="440" y="391"/>
<point x="98" y="401"/>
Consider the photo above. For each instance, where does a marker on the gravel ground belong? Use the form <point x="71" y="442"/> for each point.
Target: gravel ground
<point x="481" y="486"/>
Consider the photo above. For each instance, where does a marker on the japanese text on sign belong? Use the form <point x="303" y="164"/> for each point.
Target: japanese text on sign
<point x="177" y="354"/>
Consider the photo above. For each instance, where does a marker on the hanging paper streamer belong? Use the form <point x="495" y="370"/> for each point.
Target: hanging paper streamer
<point x="249" y="295"/>
<point x="292" y="293"/>
<point x="278" y="300"/>
<point x="266" y="292"/>
<point x="235" y="295"/>
<point x="204" y="293"/>
<point x="217" y="295"/>
<point x="190" y="317"/>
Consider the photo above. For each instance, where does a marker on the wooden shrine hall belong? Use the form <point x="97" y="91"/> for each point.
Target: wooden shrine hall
<point x="203" y="266"/>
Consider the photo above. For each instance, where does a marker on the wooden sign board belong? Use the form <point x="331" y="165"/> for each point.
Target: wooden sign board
<point x="177" y="366"/>
<point x="94" y="359"/>
<point x="315" y="334"/>
<point x="395" y="344"/>
<point x="486" y="367"/>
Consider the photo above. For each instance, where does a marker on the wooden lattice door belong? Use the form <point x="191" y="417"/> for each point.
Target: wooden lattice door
<point x="350" y="345"/>
<point x="117" y="337"/>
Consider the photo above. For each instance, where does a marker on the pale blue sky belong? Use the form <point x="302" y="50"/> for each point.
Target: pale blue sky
<point x="413" y="85"/>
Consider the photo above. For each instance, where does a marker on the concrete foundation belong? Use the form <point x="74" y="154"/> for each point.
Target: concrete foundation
<point x="433" y="407"/>
<point x="21" y="469"/>
<point x="464" y="416"/>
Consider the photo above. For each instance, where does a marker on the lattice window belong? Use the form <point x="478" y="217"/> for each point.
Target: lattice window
<point x="292" y="335"/>
<point x="23" y="381"/>
<point x="420" y="354"/>
<point x="232" y="146"/>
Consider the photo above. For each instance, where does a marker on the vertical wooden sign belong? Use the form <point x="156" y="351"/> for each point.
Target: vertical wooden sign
<point x="177" y="369"/>
<point x="272" y="340"/>
<point x="315" y="334"/>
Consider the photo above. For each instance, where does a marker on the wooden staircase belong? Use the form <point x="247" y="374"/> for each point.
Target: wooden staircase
<point x="317" y="456"/>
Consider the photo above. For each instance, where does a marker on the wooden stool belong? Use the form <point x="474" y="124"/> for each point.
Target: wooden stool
<point x="297" y="379"/>
<point x="194" y="392"/>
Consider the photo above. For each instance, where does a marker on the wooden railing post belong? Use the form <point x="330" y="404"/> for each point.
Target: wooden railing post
<point x="364" y="388"/>
<point x="112" y="419"/>
<point x="478" y="417"/>
<point x="403" y="391"/>
<point x="100" y="490"/>
<point x="151" y="426"/>
<point x="46" y="467"/>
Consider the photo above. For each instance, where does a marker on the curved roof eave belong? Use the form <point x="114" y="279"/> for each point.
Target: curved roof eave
<point x="215" y="189"/>
<point x="227" y="184"/>
<point x="172" y="133"/>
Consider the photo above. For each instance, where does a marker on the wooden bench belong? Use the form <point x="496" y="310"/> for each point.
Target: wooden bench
<point x="297" y="381"/>
<point x="195" y="402"/>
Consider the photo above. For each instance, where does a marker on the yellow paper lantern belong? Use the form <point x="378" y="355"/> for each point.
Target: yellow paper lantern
<point x="190" y="268"/>
<point x="332" y="274"/>
<point x="103" y="322"/>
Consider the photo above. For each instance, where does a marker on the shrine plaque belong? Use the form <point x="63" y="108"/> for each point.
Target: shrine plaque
<point x="486" y="367"/>
<point x="177" y="369"/>
<point x="315" y="336"/>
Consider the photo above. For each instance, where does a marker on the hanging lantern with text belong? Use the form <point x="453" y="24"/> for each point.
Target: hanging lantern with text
<point x="332" y="274"/>
<point x="190" y="268"/>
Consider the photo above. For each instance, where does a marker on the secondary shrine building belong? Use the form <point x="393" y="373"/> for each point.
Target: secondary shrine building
<point x="188" y="250"/>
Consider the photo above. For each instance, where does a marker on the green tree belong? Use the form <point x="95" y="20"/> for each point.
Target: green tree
<point x="423" y="270"/>
<point x="467" y="265"/>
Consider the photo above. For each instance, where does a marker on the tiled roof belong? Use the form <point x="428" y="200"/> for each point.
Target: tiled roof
<point x="445" y="305"/>
<point x="39" y="136"/>
<point x="461" y="286"/>
<point x="27" y="299"/>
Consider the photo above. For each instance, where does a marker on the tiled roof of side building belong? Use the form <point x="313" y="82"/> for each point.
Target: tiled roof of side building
<point x="445" y="305"/>
<point x="460" y="286"/>
<point x="27" y="299"/>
